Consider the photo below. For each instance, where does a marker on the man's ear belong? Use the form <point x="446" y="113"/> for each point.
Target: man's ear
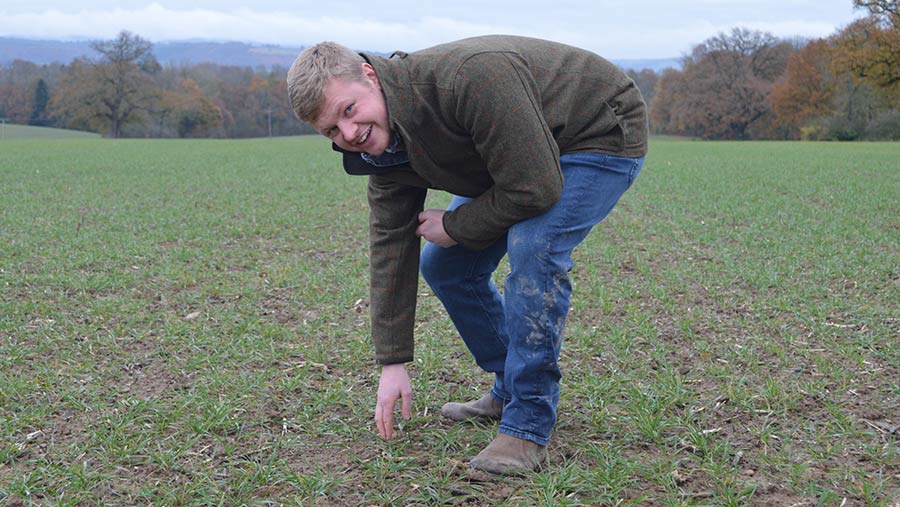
<point x="369" y="72"/>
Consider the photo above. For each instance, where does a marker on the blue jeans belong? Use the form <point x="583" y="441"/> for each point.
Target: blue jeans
<point x="517" y="335"/>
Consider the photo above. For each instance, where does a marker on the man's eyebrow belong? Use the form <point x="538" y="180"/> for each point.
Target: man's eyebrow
<point x="339" y="105"/>
<point x="324" y="129"/>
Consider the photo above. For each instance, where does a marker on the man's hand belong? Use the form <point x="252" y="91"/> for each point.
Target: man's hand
<point x="431" y="227"/>
<point x="394" y="385"/>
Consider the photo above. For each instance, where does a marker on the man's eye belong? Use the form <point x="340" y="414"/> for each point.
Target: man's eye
<point x="348" y="110"/>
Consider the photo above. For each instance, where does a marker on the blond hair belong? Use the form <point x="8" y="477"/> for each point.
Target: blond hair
<point x="314" y="69"/>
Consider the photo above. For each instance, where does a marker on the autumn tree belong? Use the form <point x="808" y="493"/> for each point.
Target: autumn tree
<point x="807" y="92"/>
<point x="261" y="93"/>
<point x="666" y="113"/>
<point x="646" y="80"/>
<point x="722" y="92"/>
<point x="888" y="11"/>
<point x="17" y="93"/>
<point x="114" y="91"/>
<point x="190" y="112"/>
<point x="869" y="49"/>
<point x="7" y="99"/>
<point x="268" y="95"/>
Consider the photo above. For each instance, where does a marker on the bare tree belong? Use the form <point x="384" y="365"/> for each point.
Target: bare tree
<point x="886" y="10"/>
<point x="110" y="93"/>
<point x="645" y="80"/>
<point x="723" y="88"/>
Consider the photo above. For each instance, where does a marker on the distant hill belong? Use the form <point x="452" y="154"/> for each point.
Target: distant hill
<point x="238" y="54"/>
<point x="224" y="53"/>
<point x="655" y="64"/>
<point x="14" y="132"/>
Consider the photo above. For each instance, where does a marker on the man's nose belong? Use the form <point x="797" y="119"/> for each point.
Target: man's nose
<point x="348" y="131"/>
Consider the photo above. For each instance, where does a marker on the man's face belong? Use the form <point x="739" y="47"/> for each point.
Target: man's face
<point x="354" y="115"/>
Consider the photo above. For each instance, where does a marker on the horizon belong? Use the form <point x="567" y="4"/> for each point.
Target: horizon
<point x="46" y="51"/>
<point x="202" y="40"/>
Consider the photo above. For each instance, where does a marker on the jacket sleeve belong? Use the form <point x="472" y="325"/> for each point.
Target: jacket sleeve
<point x="497" y="103"/>
<point x="393" y="266"/>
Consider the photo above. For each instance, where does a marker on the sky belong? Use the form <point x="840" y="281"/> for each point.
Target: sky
<point x="625" y="29"/>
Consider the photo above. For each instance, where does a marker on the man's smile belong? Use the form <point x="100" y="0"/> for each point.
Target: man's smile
<point x="365" y="136"/>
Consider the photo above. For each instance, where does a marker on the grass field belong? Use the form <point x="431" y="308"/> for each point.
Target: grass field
<point x="184" y="323"/>
<point x="11" y="132"/>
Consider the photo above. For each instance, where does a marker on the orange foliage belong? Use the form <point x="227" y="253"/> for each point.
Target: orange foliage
<point x="870" y="51"/>
<point x="194" y="113"/>
<point x="807" y="91"/>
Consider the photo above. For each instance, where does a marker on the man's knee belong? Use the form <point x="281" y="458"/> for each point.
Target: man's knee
<point x="430" y="265"/>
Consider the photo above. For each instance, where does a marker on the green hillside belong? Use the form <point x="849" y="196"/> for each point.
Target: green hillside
<point x="9" y="131"/>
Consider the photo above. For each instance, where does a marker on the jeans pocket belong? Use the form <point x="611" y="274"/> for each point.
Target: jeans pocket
<point x="635" y="170"/>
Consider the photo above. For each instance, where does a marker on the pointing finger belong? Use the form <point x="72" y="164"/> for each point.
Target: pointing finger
<point x="406" y="409"/>
<point x="387" y="414"/>
<point x="378" y="422"/>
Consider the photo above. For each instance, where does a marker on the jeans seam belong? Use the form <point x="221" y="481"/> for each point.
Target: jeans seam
<point x="523" y="435"/>
<point x="549" y="352"/>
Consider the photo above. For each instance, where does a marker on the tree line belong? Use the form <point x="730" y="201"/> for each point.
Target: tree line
<point x="751" y="85"/>
<point x="125" y="92"/>
<point x="740" y="85"/>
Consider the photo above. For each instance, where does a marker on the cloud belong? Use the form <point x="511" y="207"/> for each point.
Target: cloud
<point x="671" y="33"/>
<point x="158" y="23"/>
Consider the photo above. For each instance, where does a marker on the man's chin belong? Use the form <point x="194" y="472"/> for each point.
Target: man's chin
<point x="354" y="149"/>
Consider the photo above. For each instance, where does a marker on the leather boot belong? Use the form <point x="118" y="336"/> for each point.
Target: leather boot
<point x="487" y="407"/>
<point x="507" y="455"/>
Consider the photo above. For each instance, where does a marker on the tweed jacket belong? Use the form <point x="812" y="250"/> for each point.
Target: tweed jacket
<point x="487" y="118"/>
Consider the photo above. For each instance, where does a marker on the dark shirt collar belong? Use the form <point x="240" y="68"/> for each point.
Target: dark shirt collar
<point x="394" y="154"/>
<point x="354" y="164"/>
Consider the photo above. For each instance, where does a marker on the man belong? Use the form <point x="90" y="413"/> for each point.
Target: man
<point x="537" y="141"/>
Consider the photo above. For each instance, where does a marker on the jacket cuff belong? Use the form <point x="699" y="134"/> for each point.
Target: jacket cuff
<point x="444" y="224"/>
<point x="385" y="362"/>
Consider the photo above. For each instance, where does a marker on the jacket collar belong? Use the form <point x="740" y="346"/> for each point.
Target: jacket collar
<point x="393" y="74"/>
